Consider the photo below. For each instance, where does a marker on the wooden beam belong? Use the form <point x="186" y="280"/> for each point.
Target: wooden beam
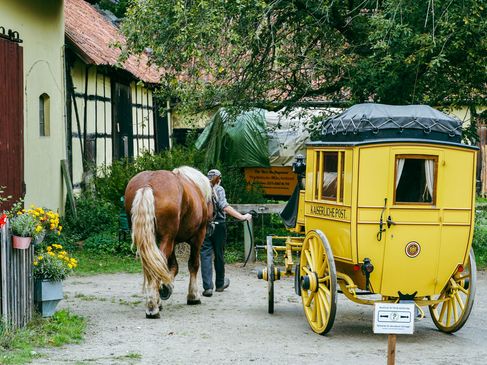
<point x="260" y="208"/>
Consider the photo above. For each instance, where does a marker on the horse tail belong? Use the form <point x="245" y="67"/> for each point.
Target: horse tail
<point x="154" y="263"/>
<point x="197" y="178"/>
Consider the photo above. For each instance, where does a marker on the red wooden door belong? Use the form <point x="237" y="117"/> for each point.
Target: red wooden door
<point x="11" y="120"/>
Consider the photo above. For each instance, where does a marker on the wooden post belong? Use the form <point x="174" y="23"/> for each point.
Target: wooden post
<point x="69" y="185"/>
<point x="391" y="349"/>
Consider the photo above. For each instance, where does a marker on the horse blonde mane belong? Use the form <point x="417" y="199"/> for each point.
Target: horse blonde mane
<point x="196" y="177"/>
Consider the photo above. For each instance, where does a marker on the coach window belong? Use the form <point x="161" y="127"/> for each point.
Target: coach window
<point x="415" y="179"/>
<point x="329" y="175"/>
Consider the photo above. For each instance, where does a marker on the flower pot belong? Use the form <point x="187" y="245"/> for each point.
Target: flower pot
<point x="21" y="243"/>
<point x="39" y="238"/>
<point x="47" y="295"/>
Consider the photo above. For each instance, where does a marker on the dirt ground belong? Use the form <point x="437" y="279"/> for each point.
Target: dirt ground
<point x="234" y="327"/>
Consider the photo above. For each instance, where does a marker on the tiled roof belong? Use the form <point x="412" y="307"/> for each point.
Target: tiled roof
<point x="94" y="36"/>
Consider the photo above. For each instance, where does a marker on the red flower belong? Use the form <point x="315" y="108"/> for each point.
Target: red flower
<point x="3" y="220"/>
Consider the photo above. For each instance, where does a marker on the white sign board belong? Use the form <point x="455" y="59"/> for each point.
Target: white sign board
<point x="393" y="318"/>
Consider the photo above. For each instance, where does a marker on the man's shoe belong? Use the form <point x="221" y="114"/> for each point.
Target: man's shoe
<point x="207" y="292"/>
<point x="226" y="283"/>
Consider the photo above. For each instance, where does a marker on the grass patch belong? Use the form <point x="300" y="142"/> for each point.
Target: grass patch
<point x="100" y="263"/>
<point x="18" y="346"/>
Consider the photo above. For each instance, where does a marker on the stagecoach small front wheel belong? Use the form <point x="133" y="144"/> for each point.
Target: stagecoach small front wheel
<point x="318" y="282"/>
<point x="458" y="296"/>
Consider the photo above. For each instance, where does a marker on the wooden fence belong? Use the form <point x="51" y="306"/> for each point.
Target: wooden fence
<point x="16" y="282"/>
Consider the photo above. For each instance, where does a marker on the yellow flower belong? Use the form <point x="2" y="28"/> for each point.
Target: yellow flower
<point x="50" y="253"/>
<point x="49" y="248"/>
<point x="38" y="229"/>
<point x="36" y="262"/>
<point x="40" y="257"/>
<point x="70" y="266"/>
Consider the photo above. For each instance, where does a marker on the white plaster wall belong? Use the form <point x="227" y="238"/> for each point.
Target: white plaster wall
<point x="41" y="27"/>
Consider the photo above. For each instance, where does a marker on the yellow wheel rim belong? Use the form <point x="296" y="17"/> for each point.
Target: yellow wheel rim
<point x="318" y="282"/>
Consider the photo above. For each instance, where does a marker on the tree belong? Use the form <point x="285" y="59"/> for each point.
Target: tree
<point x="279" y="53"/>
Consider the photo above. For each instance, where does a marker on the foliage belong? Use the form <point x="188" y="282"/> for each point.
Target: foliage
<point x="116" y="7"/>
<point x="276" y="54"/>
<point x="17" y="346"/>
<point x="480" y="238"/>
<point x="111" y="180"/>
<point x="3" y="198"/>
<point x="108" y="243"/>
<point x="53" y="263"/>
<point x="93" y="216"/>
<point x="25" y="225"/>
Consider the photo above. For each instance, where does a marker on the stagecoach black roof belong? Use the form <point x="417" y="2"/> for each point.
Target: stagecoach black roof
<point x="364" y="122"/>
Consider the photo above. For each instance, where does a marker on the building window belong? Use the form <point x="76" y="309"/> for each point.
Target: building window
<point x="415" y="179"/>
<point x="44" y="115"/>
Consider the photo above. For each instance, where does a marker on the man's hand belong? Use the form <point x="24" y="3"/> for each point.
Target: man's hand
<point x="247" y="217"/>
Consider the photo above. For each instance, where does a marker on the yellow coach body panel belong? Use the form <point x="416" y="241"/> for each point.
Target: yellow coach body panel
<point x="425" y="190"/>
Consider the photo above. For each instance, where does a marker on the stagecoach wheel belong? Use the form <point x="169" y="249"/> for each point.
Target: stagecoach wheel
<point x="270" y="275"/>
<point x="318" y="282"/>
<point x="450" y="315"/>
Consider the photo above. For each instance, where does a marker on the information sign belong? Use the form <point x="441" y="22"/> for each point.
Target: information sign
<point x="393" y="318"/>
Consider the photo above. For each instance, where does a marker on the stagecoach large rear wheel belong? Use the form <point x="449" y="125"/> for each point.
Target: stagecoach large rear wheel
<point x="451" y="314"/>
<point x="318" y="282"/>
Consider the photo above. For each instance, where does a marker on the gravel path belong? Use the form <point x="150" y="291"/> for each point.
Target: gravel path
<point x="234" y="327"/>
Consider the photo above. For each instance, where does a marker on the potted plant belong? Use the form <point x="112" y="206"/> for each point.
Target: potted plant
<point x="52" y="265"/>
<point x="47" y="219"/>
<point x="24" y="227"/>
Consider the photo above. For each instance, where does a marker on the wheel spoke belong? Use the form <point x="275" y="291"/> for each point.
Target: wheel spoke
<point x="323" y="267"/>
<point x="442" y="311"/>
<point x="460" y="302"/>
<point x="309" y="299"/>
<point x="324" y="311"/>
<point x="319" y="313"/>
<point x="463" y="290"/>
<point x="324" y="280"/>
<point x="462" y="277"/>
<point x="314" y="312"/>
<point x="448" y="313"/>
<point x="324" y="298"/>
<point x="308" y="258"/>
<point x="313" y="253"/>
<point x="454" y="310"/>
<point x="307" y="271"/>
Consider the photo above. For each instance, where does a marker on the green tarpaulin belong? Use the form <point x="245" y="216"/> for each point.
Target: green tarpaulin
<point x="238" y="140"/>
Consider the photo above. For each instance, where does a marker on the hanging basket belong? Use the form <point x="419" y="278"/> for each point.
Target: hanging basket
<point x="21" y="243"/>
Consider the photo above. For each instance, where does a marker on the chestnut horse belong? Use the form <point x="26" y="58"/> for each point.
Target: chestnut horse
<point x="165" y="208"/>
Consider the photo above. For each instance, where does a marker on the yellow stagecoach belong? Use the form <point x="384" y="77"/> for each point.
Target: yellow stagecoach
<point x="386" y="207"/>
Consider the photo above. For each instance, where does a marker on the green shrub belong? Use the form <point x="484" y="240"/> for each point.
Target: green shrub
<point x="480" y="238"/>
<point x="111" y="180"/>
<point x="107" y="242"/>
<point x="93" y="216"/>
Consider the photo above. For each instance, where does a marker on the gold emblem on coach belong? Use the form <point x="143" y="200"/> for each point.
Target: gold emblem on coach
<point x="413" y="249"/>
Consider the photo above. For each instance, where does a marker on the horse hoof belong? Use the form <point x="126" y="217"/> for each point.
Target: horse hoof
<point x="165" y="292"/>
<point x="153" y="316"/>
<point x="193" y="301"/>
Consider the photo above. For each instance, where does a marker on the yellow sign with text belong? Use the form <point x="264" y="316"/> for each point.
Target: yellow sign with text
<point x="275" y="180"/>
